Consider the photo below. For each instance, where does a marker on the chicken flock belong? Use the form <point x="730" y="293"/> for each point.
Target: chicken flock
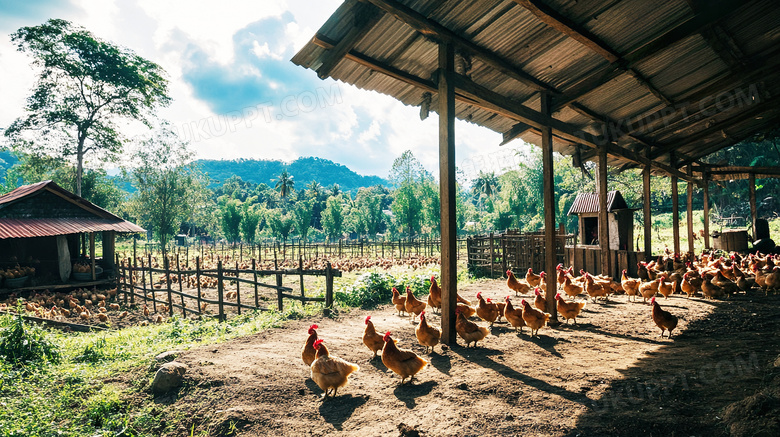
<point x="712" y="277"/>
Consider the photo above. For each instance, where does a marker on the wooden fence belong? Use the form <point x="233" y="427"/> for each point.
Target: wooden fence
<point x="492" y="254"/>
<point x="132" y="283"/>
<point x="274" y="250"/>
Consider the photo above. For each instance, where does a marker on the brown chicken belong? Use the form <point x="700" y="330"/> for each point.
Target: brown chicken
<point x="413" y="305"/>
<point x="571" y="289"/>
<point x="630" y="285"/>
<point x="687" y="286"/>
<point x="513" y="315"/>
<point x="569" y="310"/>
<point x="595" y="289"/>
<point x="309" y="354"/>
<point x="539" y="301"/>
<point x="663" y="319"/>
<point x="403" y="362"/>
<point x="371" y="339"/>
<point x="665" y="288"/>
<point x="772" y="280"/>
<point x="515" y="285"/>
<point x="649" y="289"/>
<point x="399" y="301"/>
<point x="468" y="330"/>
<point x="728" y="286"/>
<point x="486" y="311"/>
<point x="533" y="318"/>
<point x="466" y="310"/>
<point x="461" y="299"/>
<point x="330" y="373"/>
<point x="710" y="290"/>
<point x="561" y="274"/>
<point x="532" y="279"/>
<point x="427" y="335"/>
<point x="434" y="295"/>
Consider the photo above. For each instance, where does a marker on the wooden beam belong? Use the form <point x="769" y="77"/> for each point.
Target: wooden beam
<point x="646" y="210"/>
<point x="516" y="131"/>
<point x="449" y="268"/>
<point x="603" y="214"/>
<point x="741" y="114"/>
<point x="725" y="47"/>
<point x="690" y="210"/>
<point x="557" y="21"/>
<point x="439" y="33"/>
<point x="366" y="16"/>
<point x="675" y="210"/>
<point x="706" y="187"/>
<point x="752" y="191"/>
<point x="548" y="194"/>
<point x="730" y="140"/>
<point x="92" y="253"/>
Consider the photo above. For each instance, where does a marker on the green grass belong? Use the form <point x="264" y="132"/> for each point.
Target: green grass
<point x="75" y="397"/>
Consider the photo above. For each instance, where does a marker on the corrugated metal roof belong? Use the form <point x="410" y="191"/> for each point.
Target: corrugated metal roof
<point x="674" y="81"/>
<point x="589" y="203"/>
<point x="47" y="227"/>
<point x="95" y="219"/>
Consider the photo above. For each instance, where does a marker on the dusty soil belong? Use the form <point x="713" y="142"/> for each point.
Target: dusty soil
<point x="610" y="374"/>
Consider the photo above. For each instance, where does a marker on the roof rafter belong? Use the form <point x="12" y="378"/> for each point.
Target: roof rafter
<point x="440" y="33"/>
<point x="366" y="16"/>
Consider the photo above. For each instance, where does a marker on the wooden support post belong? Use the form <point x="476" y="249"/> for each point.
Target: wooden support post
<point x="752" y="190"/>
<point x="492" y="252"/>
<point x="181" y="288"/>
<point x="119" y="273"/>
<point x="603" y="213"/>
<point x="300" y="273"/>
<point x="328" y="286"/>
<point x="143" y="282"/>
<point x="646" y="214"/>
<point x="548" y="194"/>
<point x="131" y="270"/>
<point x="238" y="290"/>
<point x="220" y="292"/>
<point x="92" y="252"/>
<point x="690" y="210"/>
<point x="675" y="215"/>
<point x="449" y="272"/>
<point x="254" y="275"/>
<point x="197" y="278"/>
<point x="706" y="184"/>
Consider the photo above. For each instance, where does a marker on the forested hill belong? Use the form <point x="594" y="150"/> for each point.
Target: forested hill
<point x="303" y="170"/>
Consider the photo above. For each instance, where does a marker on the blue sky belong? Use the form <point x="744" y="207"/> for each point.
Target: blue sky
<point x="236" y="93"/>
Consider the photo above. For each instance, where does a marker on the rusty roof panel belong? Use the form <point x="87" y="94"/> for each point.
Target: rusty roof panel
<point x="47" y="227"/>
<point x="589" y="203"/>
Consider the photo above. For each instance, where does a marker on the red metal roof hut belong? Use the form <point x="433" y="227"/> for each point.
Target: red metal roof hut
<point x="43" y="222"/>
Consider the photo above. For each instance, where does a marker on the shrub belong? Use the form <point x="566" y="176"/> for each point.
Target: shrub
<point x="372" y="289"/>
<point x="22" y="343"/>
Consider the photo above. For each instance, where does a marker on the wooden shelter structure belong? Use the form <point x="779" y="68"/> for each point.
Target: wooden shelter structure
<point x="43" y="222"/>
<point x="627" y="83"/>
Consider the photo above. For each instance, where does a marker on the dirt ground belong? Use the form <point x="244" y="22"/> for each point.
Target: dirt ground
<point x="610" y="374"/>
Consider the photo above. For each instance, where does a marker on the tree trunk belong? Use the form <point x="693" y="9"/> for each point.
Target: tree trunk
<point x="79" y="164"/>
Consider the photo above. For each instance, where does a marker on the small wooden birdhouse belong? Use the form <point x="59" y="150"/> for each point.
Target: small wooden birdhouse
<point x="620" y="219"/>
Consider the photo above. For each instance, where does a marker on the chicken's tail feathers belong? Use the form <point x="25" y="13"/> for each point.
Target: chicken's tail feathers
<point x="582" y="304"/>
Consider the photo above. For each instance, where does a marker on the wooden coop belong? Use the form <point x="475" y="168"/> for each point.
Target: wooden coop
<point x="619" y="233"/>
<point x="47" y="228"/>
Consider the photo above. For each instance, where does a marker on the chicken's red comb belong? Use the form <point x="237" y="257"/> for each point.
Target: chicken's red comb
<point x="508" y="272"/>
<point x="312" y="328"/>
<point x="542" y="274"/>
<point x="479" y="295"/>
<point x="387" y="336"/>
<point x="523" y="302"/>
<point x="368" y="318"/>
<point x="559" y="266"/>
<point x="433" y="278"/>
<point x="537" y="292"/>
<point x="530" y="269"/>
<point x="317" y="344"/>
<point x="507" y="298"/>
<point x="395" y="289"/>
<point x="422" y="314"/>
<point x="488" y="300"/>
<point x="652" y="301"/>
<point x="557" y="295"/>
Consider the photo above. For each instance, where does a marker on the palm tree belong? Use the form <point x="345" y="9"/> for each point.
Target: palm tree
<point x="335" y="190"/>
<point x="486" y="183"/>
<point x="285" y="183"/>
<point x="315" y="189"/>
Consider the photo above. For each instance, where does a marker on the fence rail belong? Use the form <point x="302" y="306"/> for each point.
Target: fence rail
<point x="132" y="283"/>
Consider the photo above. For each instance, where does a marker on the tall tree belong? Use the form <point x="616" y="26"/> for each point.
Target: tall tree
<point x="281" y="224"/>
<point x="302" y="214"/>
<point x="231" y="220"/>
<point x="408" y="175"/>
<point x="85" y="86"/>
<point x="168" y="185"/>
<point x="285" y="184"/>
<point x="250" y="219"/>
<point x="333" y="218"/>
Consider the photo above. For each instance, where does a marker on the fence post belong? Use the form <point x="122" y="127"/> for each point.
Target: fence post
<point x="181" y="288"/>
<point x="254" y="273"/>
<point x="143" y="281"/>
<point x="119" y="272"/>
<point x="132" y="285"/>
<point x="197" y="278"/>
<point x="280" y="304"/>
<point x="220" y="292"/>
<point x="151" y="283"/>
<point x="503" y="254"/>
<point x="238" y="292"/>
<point x="328" y="286"/>
<point x="168" y="285"/>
